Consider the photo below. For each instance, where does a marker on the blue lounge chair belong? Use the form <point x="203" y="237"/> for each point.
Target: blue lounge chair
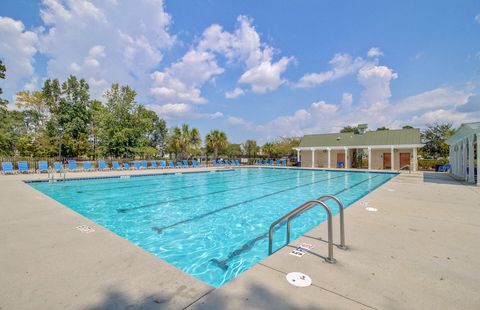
<point x="195" y="163"/>
<point x="284" y="162"/>
<point x="340" y="164"/>
<point x="136" y="165"/>
<point x="102" y="165"/>
<point x="115" y="165"/>
<point x="237" y="163"/>
<point x="42" y="166"/>
<point x="277" y="162"/>
<point x="23" y="167"/>
<point x="87" y="166"/>
<point x="153" y="165"/>
<point x="170" y="164"/>
<point x="143" y="164"/>
<point x="185" y="163"/>
<point x="162" y="164"/>
<point x="72" y="165"/>
<point x="179" y="164"/>
<point x="57" y="166"/>
<point x="126" y="166"/>
<point x="7" y="167"/>
<point x="271" y="162"/>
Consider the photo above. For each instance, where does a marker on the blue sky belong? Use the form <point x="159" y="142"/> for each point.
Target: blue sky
<point x="258" y="69"/>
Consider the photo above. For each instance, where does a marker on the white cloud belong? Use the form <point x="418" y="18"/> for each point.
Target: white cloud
<point x="347" y="100"/>
<point x="237" y="92"/>
<point x="265" y="76"/>
<point x="17" y="50"/>
<point x="181" y="82"/>
<point x="244" y="45"/>
<point x="374" y="52"/>
<point x="342" y="65"/>
<point x="376" y="95"/>
<point x="105" y="42"/>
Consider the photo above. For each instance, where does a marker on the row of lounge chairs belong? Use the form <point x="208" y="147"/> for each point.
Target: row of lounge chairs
<point x="225" y="162"/>
<point x="272" y="162"/>
<point x="72" y="165"/>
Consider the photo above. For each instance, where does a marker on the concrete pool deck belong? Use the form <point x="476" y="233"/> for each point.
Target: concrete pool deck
<point x="418" y="251"/>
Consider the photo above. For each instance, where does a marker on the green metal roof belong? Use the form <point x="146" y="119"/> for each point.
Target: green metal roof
<point x="380" y="137"/>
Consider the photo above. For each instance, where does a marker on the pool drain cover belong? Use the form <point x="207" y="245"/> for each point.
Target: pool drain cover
<point x="298" y="279"/>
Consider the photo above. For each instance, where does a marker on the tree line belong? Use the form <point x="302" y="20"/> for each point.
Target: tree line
<point x="62" y="120"/>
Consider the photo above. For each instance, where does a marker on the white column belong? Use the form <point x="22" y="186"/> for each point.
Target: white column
<point x="392" y="158"/>
<point x="369" y="158"/>
<point x="414" y="159"/>
<point x="471" y="163"/>
<point x="464" y="152"/>
<point x="346" y="158"/>
<point x="478" y="159"/>
<point x="329" y="150"/>
<point x="298" y="155"/>
<point x="459" y="160"/>
<point x="313" y="158"/>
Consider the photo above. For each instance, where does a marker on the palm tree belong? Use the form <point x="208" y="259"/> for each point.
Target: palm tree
<point x="216" y="140"/>
<point x="184" y="140"/>
<point x="269" y="149"/>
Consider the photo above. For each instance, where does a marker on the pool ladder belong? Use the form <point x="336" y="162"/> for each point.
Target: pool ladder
<point x="51" y="175"/>
<point x="320" y="201"/>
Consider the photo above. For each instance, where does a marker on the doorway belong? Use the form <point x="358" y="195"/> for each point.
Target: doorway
<point x="404" y="160"/>
<point x="387" y="160"/>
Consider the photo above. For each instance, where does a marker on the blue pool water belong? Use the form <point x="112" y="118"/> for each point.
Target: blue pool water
<point x="212" y="225"/>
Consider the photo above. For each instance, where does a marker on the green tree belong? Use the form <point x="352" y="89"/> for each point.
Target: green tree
<point x="350" y="129"/>
<point x="382" y="128"/>
<point x="270" y="149"/>
<point x="407" y="127"/>
<point x="251" y="148"/>
<point x="216" y="140"/>
<point x="118" y="135"/>
<point x="434" y="137"/>
<point x="3" y="102"/>
<point x="233" y="150"/>
<point x="184" y="141"/>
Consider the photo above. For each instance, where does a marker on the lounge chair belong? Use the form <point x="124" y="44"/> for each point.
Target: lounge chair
<point x="72" y="165"/>
<point x="102" y="165"/>
<point x="22" y="167"/>
<point x="214" y="163"/>
<point x="271" y="162"/>
<point x="195" y="163"/>
<point x="170" y="164"/>
<point x="237" y="163"/>
<point x="163" y="164"/>
<point x="126" y="166"/>
<point x="115" y="165"/>
<point x="87" y="166"/>
<point x="284" y="162"/>
<point x="179" y="164"/>
<point x="57" y="166"/>
<point x="340" y="164"/>
<point x="185" y="163"/>
<point x="153" y="165"/>
<point x="136" y="165"/>
<point x="143" y="164"/>
<point x="42" y="166"/>
<point x="277" y="162"/>
<point x="7" y="167"/>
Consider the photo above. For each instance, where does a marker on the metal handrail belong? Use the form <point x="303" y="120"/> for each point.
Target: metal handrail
<point x="324" y="198"/>
<point x="307" y="205"/>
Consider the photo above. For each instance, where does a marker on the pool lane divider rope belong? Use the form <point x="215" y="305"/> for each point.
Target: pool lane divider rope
<point x="160" y="229"/>
<point x="222" y="263"/>
<point x="158" y="203"/>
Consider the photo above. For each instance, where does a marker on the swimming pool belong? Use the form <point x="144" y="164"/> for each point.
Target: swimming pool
<point x="212" y="225"/>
